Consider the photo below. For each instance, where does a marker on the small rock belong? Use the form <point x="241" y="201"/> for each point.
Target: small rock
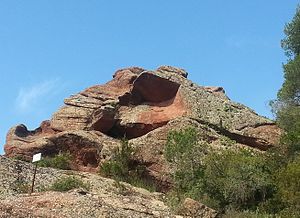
<point x="196" y="209"/>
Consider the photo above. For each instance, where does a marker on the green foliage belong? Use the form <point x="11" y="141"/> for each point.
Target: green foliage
<point x="242" y="182"/>
<point x="289" y="213"/>
<point x="237" y="179"/>
<point x="119" y="166"/>
<point x="68" y="183"/>
<point x="287" y="110"/>
<point x="287" y="105"/>
<point x="183" y="142"/>
<point x="291" y="44"/>
<point x="290" y="91"/>
<point x="288" y="181"/>
<point x="20" y="157"/>
<point x="185" y="151"/>
<point x="174" y="200"/>
<point x="246" y="214"/>
<point x="225" y="179"/>
<point x="122" y="168"/>
<point x="137" y="180"/>
<point x="60" y="161"/>
<point x="288" y="118"/>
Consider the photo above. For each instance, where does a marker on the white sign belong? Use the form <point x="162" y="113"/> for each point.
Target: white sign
<point x="36" y="157"/>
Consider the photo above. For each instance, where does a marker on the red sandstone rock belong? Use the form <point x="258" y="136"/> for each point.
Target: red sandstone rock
<point x="141" y="119"/>
<point x="94" y="108"/>
<point x="143" y="106"/>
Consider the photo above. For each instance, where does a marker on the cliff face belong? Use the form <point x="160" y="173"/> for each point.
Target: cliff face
<point x="143" y="106"/>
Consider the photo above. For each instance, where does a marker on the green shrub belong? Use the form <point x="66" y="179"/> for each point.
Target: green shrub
<point x="118" y="166"/>
<point x="237" y="179"/>
<point x="174" y="200"/>
<point x="288" y="182"/>
<point x="122" y="168"/>
<point x="185" y="152"/>
<point x="183" y="142"/>
<point x="138" y="181"/>
<point x="220" y="179"/>
<point x="246" y="214"/>
<point x="60" y="161"/>
<point x="20" y="157"/>
<point x="67" y="183"/>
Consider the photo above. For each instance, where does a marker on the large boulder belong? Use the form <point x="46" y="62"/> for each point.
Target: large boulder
<point x="143" y="106"/>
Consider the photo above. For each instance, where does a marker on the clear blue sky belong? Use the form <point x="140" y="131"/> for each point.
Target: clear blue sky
<point x="51" y="49"/>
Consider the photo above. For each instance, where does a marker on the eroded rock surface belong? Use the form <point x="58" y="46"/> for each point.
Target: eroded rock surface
<point x="192" y="208"/>
<point x="95" y="107"/>
<point x="142" y="106"/>
<point x="104" y="198"/>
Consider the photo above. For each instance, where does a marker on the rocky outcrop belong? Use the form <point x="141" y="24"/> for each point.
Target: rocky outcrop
<point x="86" y="147"/>
<point x="142" y="106"/>
<point x="104" y="198"/>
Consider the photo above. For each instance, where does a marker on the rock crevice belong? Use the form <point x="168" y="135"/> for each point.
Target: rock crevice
<point x="260" y="143"/>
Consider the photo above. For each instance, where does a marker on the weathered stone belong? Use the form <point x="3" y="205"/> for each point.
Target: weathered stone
<point x="174" y="70"/>
<point x="88" y="110"/>
<point x="85" y="146"/>
<point x="142" y="106"/>
<point x="215" y="89"/>
<point x="141" y="119"/>
<point x="105" y="197"/>
<point x="194" y="208"/>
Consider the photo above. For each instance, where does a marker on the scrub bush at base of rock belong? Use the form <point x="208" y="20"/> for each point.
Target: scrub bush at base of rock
<point x="123" y="168"/>
<point x="68" y="183"/>
<point x="60" y="161"/>
<point x="221" y="179"/>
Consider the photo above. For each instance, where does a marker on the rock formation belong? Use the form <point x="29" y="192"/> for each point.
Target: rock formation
<point x="104" y="197"/>
<point x="142" y="106"/>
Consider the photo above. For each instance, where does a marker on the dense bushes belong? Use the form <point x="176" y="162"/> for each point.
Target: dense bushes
<point x="237" y="179"/>
<point x="185" y="152"/>
<point x="288" y="183"/>
<point x="240" y="181"/>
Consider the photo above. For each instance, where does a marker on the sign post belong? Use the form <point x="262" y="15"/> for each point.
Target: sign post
<point x="35" y="159"/>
